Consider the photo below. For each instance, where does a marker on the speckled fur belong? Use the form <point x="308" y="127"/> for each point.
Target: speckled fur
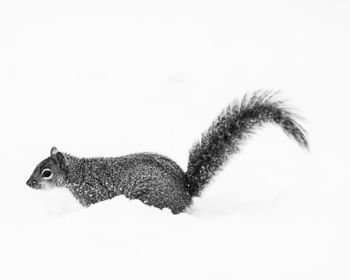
<point x="232" y="127"/>
<point x="157" y="180"/>
<point x="151" y="178"/>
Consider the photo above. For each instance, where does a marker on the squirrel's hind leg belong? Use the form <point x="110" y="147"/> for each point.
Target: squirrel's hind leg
<point x="159" y="195"/>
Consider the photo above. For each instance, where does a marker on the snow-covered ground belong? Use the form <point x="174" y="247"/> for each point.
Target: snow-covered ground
<point x="107" y="78"/>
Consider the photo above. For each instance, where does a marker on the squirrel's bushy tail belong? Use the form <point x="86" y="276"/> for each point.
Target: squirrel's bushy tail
<point x="235" y="124"/>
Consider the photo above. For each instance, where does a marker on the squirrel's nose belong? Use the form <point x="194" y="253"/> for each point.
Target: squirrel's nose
<point x="31" y="183"/>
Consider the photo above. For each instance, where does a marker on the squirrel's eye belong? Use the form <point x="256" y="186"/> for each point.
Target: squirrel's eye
<point x="46" y="173"/>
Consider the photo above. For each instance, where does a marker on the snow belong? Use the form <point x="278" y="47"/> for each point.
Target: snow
<point x="107" y="78"/>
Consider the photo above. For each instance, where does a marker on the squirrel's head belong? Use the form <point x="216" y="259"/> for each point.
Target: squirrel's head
<point x="51" y="172"/>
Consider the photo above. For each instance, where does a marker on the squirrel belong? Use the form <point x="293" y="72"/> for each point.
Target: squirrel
<point x="157" y="180"/>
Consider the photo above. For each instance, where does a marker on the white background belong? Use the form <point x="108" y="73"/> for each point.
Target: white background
<point x="108" y="78"/>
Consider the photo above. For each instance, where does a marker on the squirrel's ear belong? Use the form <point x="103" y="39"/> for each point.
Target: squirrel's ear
<point x="61" y="161"/>
<point x="53" y="151"/>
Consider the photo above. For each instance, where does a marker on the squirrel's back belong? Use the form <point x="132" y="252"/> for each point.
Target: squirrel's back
<point x="152" y="178"/>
